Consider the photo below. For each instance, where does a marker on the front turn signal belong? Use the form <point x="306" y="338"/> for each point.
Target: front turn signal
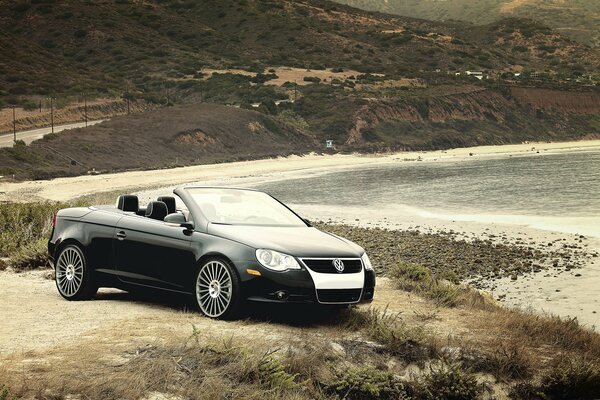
<point x="253" y="272"/>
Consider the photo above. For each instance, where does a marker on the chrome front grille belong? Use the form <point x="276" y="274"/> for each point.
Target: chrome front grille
<point x="326" y="265"/>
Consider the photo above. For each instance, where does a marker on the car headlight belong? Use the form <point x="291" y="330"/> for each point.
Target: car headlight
<point x="276" y="261"/>
<point x="366" y="262"/>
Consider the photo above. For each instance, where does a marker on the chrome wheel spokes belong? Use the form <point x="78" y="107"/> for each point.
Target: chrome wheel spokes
<point x="69" y="271"/>
<point x="214" y="288"/>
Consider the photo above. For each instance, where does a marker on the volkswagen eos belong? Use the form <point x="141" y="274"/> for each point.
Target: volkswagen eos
<point x="224" y="247"/>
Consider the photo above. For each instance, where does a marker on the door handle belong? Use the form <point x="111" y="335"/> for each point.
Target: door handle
<point x="121" y="235"/>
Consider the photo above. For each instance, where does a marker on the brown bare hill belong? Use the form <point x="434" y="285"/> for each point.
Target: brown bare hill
<point x="168" y="137"/>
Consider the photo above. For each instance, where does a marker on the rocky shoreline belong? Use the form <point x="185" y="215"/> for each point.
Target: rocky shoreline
<point x="477" y="259"/>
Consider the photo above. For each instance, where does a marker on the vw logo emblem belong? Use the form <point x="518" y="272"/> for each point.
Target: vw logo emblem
<point x="339" y="265"/>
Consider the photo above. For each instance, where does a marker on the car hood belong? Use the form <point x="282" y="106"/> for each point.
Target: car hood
<point x="296" y="241"/>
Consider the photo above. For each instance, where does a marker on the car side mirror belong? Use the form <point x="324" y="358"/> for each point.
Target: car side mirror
<point x="189" y="227"/>
<point x="175" y="218"/>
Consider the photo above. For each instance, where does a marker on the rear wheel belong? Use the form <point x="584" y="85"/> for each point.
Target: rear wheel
<point x="73" y="276"/>
<point x="218" y="289"/>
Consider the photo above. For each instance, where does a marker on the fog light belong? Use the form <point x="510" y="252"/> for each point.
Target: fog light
<point x="281" y="295"/>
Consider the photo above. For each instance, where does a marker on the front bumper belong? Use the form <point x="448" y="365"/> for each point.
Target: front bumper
<point x="297" y="286"/>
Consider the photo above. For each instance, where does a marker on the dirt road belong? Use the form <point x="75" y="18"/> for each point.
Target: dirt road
<point x="7" y="139"/>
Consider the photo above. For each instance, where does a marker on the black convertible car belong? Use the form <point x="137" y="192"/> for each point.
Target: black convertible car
<point x="223" y="246"/>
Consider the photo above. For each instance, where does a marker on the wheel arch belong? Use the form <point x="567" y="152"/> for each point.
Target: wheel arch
<point x="216" y="254"/>
<point x="65" y="243"/>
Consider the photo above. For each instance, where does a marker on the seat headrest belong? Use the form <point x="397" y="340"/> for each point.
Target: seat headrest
<point x="128" y="202"/>
<point x="156" y="210"/>
<point x="169" y="201"/>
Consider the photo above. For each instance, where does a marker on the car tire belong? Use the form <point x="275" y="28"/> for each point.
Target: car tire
<point x="74" y="279"/>
<point x="217" y="289"/>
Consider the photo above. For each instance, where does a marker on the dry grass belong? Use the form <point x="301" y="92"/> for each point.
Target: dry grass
<point x="565" y="334"/>
<point x="363" y="353"/>
<point x="24" y="230"/>
<point x="186" y="369"/>
<point x="444" y="291"/>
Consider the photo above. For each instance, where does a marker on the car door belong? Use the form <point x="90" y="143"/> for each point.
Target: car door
<point x="153" y="253"/>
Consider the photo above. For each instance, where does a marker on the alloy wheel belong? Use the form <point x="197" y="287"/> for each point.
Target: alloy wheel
<point x="69" y="271"/>
<point x="214" y="288"/>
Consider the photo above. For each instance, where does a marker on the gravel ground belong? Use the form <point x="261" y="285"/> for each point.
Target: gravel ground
<point x="479" y="258"/>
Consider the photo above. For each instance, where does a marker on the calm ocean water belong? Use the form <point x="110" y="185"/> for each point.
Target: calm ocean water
<point x="558" y="191"/>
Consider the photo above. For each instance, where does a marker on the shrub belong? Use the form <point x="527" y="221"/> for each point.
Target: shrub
<point x="448" y="381"/>
<point x="367" y="383"/>
<point x="509" y="360"/>
<point x="29" y="105"/>
<point x="408" y="276"/>
<point x="24" y="228"/>
<point x="272" y="373"/>
<point x="408" y="343"/>
<point x="50" y="136"/>
<point x="4" y="392"/>
<point x="572" y="378"/>
<point x="312" y="79"/>
<point x="32" y="255"/>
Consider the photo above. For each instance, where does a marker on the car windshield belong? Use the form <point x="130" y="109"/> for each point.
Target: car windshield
<point x="242" y="207"/>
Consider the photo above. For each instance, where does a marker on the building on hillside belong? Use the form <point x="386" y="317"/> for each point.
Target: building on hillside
<point x="476" y="74"/>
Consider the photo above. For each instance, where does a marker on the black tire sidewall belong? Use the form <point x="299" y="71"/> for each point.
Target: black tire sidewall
<point x="235" y="306"/>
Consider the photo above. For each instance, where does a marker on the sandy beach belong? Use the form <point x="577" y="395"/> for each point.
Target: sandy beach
<point x="62" y="189"/>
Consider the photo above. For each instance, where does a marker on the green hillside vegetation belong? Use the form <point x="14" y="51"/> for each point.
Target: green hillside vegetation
<point x="577" y="19"/>
<point x="155" y="49"/>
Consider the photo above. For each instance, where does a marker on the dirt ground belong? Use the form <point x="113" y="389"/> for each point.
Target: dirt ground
<point x="35" y="318"/>
<point x="289" y="74"/>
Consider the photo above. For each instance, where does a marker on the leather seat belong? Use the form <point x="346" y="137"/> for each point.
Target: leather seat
<point x="156" y="210"/>
<point x="128" y="202"/>
<point x="170" y="202"/>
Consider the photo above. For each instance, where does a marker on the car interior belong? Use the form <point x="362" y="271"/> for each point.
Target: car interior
<point x="158" y="209"/>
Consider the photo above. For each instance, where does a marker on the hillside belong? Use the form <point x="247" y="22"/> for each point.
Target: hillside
<point x="450" y="116"/>
<point x="168" y="137"/>
<point x="150" y="48"/>
<point x="426" y="119"/>
<point x="577" y="19"/>
<point x="313" y="69"/>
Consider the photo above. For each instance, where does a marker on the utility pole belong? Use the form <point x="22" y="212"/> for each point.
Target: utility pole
<point x="14" y="125"/>
<point x="127" y="98"/>
<point x="52" y="113"/>
<point x="85" y="108"/>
